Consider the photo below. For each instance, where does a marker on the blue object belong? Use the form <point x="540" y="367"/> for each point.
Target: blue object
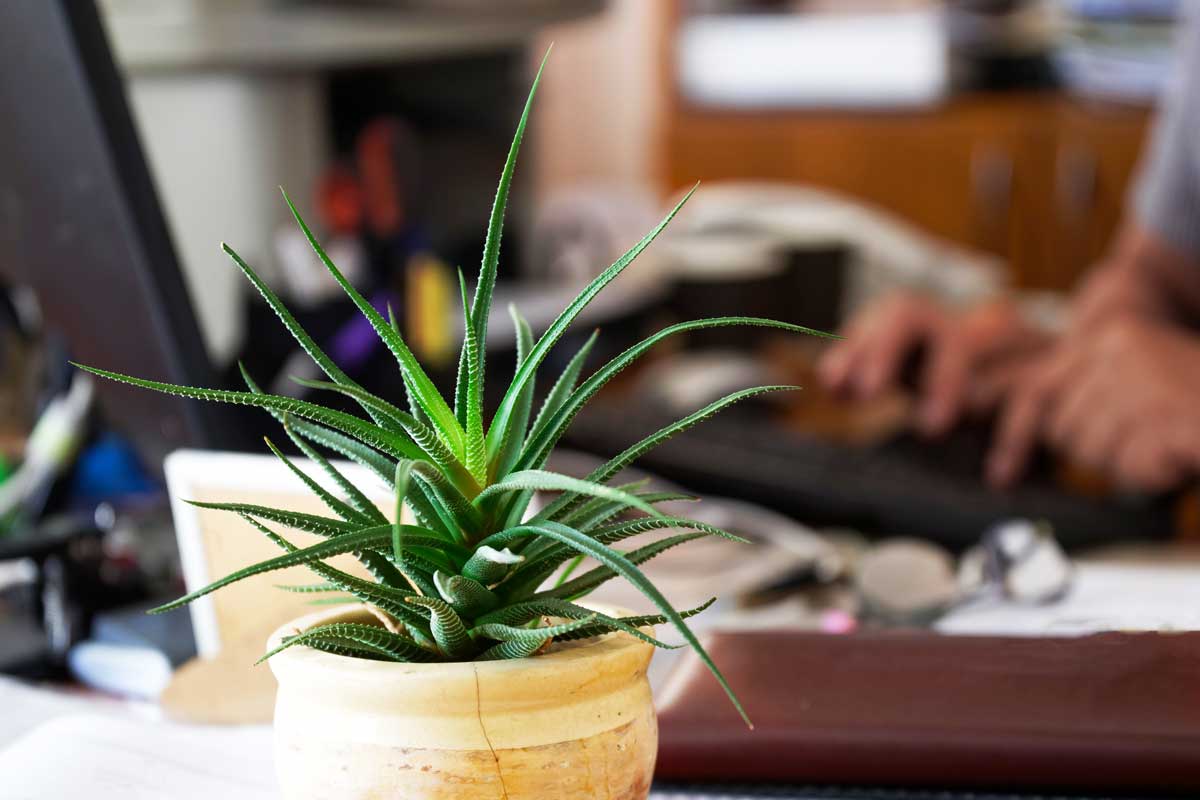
<point x="109" y="469"/>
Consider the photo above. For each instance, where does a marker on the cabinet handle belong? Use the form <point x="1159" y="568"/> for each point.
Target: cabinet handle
<point x="991" y="193"/>
<point x="1076" y="180"/>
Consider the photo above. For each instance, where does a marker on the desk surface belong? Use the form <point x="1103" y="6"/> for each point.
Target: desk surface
<point x="108" y="741"/>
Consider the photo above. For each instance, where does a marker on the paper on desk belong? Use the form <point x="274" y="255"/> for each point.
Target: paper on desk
<point x="23" y="707"/>
<point x="1103" y="597"/>
<point x="106" y="758"/>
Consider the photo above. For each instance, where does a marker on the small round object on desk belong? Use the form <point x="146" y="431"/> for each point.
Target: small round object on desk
<point x="906" y="581"/>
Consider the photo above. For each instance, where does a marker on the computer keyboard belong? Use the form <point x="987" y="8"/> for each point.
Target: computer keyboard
<point x="907" y="487"/>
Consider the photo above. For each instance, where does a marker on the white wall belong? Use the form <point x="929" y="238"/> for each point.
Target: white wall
<point x="219" y="144"/>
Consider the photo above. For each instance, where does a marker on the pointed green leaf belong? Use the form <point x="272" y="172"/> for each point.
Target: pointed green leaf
<point x="464" y="517"/>
<point x="353" y="495"/>
<point x="302" y="338"/>
<point x="623" y="566"/>
<point x="460" y="378"/>
<point x="522" y="613"/>
<point x="387" y="595"/>
<point x="415" y="430"/>
<point x="563" y="386"/>
<point x="507" y="633"/>
<point x="588" y="516"/>
<point x="606" y="471"/>
<point x="512" y="509"/>
<point x="552" y="481"/>
<point x="347" y="512"/>
<point x="560" y="325"/>
<point x="309" y="523"/>
<point x="568" y="571"/>
<point x="476" y="449"/>
<point x="308" y="588"/>
<point x="482" y="306"/>
<point x="425" y="392"/>
<point x="384" y="642"/>
<point x="372" y="435"/>
<point x="640" y="621"/>
<point x="543" y="561"/>
<point x="536" y="451"/>
<point x="344" y="445"/>
<point x="583" y="584"/>
<point x="346" y="543"/>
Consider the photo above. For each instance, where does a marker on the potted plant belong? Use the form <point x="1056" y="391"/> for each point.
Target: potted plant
<point x="461" y="673"/>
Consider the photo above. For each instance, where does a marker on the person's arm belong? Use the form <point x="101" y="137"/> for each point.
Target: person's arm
<point x="1153" y="266"/>
<point x="1144" y="276"/>
<point x="1085" y="396"/>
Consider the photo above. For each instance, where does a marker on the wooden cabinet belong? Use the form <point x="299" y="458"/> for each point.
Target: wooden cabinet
<point x="1038" y="179"/>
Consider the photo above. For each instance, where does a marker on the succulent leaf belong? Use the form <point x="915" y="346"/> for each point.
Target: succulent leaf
<point x="379" y="438"/>
<point x="447" y="627"/>
<point x="605" y="472"/>
<point x="468" y="597"/>
<point x="346" y="543"/>
<point x="298" y="333"/>
<point x="538" y="449"/>
<point x="347" y="446"/>
<point x="387" y="596"/>
<point x="508" y="633"/>
<point x="530" y="610"/>
<point x="309" y="523"/>
<point x="621" y="565"/>
<point x="505" y="651"/>
<point x="414" y="430"/>
<point x="598" y="511"/>
<point x="641" y="621"/>
<point x="425" y="393"/>
<point x="562" y="387"/>
<point x="488" y="565"/>
<point x="481" y="306"/>
<point x="557" y="328"/>
<point x="579" y="586"/>
<point x="393" y="646"/>
<point x="512" y="438"/>
<point x="354" y="495"/>
<point x="552" y="481"/>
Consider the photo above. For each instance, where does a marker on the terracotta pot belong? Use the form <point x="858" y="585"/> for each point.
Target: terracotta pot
<point x="575" y="722"/>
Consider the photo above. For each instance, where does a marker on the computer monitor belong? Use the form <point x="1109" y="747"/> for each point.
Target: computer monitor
<point x="81" y="224"/>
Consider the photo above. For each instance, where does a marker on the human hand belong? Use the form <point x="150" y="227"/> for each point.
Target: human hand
<point x="1121" y="400"/>
<point x="958" y="346"/>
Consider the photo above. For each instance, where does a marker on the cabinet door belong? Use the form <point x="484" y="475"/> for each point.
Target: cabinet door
<point x="952" y="171"/>
<point x="1095" y="157"/>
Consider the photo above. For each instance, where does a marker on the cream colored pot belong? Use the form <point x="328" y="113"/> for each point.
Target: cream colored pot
<point x="576" y="722"/>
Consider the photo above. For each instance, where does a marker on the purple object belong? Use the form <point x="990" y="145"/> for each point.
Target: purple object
<point x="355" y="341"/>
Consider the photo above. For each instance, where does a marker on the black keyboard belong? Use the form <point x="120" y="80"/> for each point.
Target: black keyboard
<point x="908" y="487"/>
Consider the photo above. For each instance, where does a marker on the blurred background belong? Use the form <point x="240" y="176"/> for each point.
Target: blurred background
<point x="844" y="148"/>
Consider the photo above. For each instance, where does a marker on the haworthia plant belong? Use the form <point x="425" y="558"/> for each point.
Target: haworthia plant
<point x="473" y="579"/>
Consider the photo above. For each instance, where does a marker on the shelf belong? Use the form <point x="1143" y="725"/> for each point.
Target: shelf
<point x="188" y="36"/>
